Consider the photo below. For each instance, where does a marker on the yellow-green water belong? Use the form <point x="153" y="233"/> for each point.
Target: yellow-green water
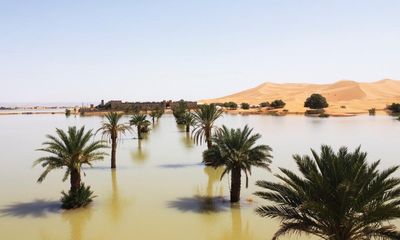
<point x="159" y="189"/>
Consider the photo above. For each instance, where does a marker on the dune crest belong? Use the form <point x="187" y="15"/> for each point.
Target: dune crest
<point x="344" y="96"/>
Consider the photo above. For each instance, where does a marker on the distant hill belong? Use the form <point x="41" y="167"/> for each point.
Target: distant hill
<point x="357" y="97"/>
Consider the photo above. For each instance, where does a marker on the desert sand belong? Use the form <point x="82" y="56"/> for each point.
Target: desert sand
<point x="344" y="97"/>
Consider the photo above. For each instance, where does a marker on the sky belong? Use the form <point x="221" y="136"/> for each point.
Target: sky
<point x="86" y="50"/>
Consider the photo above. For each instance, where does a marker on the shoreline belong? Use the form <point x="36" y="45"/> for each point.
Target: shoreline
<point x="254" y="111"/>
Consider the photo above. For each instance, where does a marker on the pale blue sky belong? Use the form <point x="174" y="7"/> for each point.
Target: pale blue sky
<point x="89" y="50"/>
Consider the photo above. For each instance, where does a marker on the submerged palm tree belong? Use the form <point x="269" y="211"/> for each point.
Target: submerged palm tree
<point x="71" y="150"/>
<point x="338" y="196"/>
<point x="188" y="118"/>
<point x="153" y="115"/>
<point x="156" y="114"/>
<point x="139" y="120"/>
<point x="235" y="150"/>
<point x="204" y="118"/>
<point x="112" y="128"/>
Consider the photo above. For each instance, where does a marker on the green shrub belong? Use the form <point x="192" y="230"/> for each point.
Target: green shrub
<point x="264" y="104"/>
<point x="231" y="105"/>
<point x="179" y="111"/>
<point x="277" y="103"/>
<point x="394" y="107"/>
<point x="67" y="112"/>
<point x="245" y="106"/>
<point x="316" y="101"/>
<point x="372" y="111"/>
<point x="79" y="198"/>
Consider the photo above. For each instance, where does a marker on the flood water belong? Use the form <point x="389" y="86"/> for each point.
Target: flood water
<point x="159" y="189"/>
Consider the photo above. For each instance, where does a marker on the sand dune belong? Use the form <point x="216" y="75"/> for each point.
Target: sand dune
<point x="356" y="97"/>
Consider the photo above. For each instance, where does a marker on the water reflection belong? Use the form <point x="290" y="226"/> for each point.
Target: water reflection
<point x="237" y="231"/>
<point x="116" y="203"/>
<point x="155" y="127"/>
<point x="77" y="219"/>
<point x="140" y="155"/>
<point x="187" y="140"/>
<point x="214" y="176"/>
<point x="181" y="127"/>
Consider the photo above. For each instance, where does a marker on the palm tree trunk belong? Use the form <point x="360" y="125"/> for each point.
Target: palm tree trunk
<point x="208" y="138"/>
<point x="75" y="179"/>
<point x="113" y="151"/>
<point x="139" y="132"/>
<point x="235" y="184"/>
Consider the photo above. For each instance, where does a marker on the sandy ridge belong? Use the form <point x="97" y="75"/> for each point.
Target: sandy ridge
<point x="345" y="96"/>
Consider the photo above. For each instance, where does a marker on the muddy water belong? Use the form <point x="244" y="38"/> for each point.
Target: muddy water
<point x="159" y="189"/>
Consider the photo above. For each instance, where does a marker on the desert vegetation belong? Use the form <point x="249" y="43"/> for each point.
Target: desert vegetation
<point x="112" y="128"/>
<point x="316" y="101"/>
<point x="230" y="105"/>
<point x="204" y="119"/>
<point x="179" y="111"/>
<point x="140" y="121"/>
<point x="264" y="104"/>
<point x="70" y="150"/>
<point x="336" y="196"/>
<point x="235" y="150"/>
<point x="245" y="106"/>
<point x="277" y="104"/>
<point x="394" y="108"/>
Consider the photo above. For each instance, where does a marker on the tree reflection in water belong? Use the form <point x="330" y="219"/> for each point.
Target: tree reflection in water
<point x="116" y="204"/>
<point x="214" y="177"/>
<point x="187" y="140"/>
<point x="77" y="219"/>
<point x="139" y="156"/>
<point x="237" y="231"/>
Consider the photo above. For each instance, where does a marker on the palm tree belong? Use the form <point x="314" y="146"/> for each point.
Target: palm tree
<point x="140" y="121"/>
<point x="178" y="110"/>
<point x="204" y="118"/>
<point x="153" y="114"/>
<point x="71" y="150"/>
<point x="188" y="118"/>
<point x="338" y="196"/>
<point x="235" y="150"/>
<point x="112" y="128"/>
<point x="156" y="113"/>
<point x="160" y="112"/>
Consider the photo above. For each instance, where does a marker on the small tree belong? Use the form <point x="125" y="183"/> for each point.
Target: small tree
<point x="394" y="107"/>
<point x="245" y="106"/>
<point x="179" y="110"/>
<point x="316" y="101"/>
<point x="230" y="105"/>
<point x="233" y="106"/>
<point x="237" y="152"/>
<point x="264" y="104"/>
<point x="141" y="123"/>
<point x="277" y="103"/>
<point x="70" y="150"/>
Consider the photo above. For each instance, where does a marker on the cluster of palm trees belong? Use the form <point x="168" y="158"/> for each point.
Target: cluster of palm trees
<point x="73" y="149"/>
<point x="336" y="196"/>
